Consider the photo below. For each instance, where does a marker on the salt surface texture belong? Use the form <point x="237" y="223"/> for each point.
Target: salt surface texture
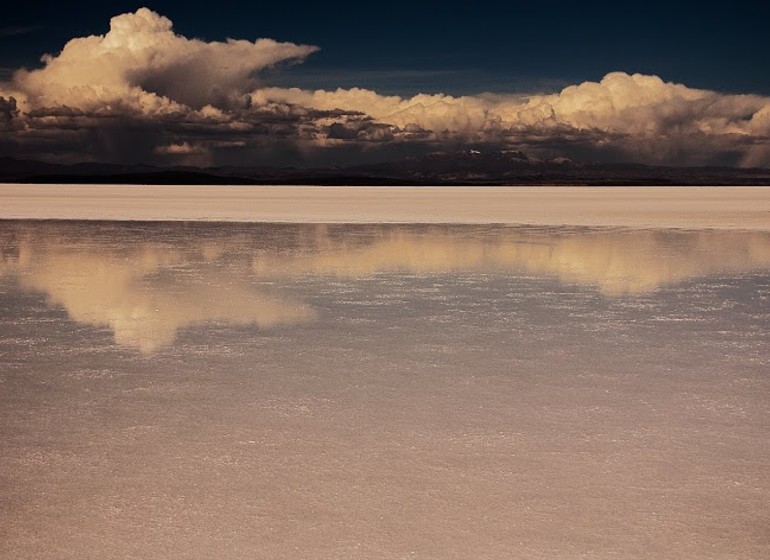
<point x="640" y="207"/>
<point x="324" y="392"/>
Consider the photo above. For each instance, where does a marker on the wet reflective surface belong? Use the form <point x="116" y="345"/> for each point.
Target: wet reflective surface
<point x="304" y="391"/>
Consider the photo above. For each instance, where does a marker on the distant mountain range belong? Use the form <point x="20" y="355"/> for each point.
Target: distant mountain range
<point x="456" y="168"/>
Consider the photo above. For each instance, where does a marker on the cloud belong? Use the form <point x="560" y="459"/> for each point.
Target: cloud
<point x="183" y="148"/>
<point x="141" y="89"/>
<point x="142" y="64"/>
<point x="438" y="113"/>
<point x="639" y="115"/>
<point x="8" y="112"/>
<point x="142" y="76"/>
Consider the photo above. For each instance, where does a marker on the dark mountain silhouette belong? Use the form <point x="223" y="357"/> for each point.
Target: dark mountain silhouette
<point x="455" y="168"/>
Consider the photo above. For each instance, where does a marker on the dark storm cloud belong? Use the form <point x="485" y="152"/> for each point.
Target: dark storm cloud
<point x="8" y="113"/>
<point x="365" y="131"/>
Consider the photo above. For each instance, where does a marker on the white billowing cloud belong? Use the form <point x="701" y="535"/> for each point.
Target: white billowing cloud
<point x="436" y="112"/>
<point x="142" y="64"/>
<point x="620" y="103"/>
<point x="203" y="96"/>
<point x="643" y="105"/>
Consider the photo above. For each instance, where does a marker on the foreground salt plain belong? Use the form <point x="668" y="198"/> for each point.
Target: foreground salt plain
<point x="193" y="390"/>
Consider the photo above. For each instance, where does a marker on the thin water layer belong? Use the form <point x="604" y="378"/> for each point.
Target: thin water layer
<point x="189" y="390"/>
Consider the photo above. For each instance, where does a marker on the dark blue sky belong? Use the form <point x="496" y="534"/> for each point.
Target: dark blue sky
<point x="404" y="47"/>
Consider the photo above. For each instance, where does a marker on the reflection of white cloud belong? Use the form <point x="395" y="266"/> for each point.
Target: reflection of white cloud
<point x="628" y="262"/>
<point x="146" y="295"/>
<point x="638" y="262"/>
<point x="142" y="71"/>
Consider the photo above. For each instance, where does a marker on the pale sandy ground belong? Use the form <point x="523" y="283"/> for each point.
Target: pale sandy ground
<point x="668" y="207"/>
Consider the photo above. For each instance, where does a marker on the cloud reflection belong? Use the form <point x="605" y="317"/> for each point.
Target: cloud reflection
<point x="146" y="282"/>
<point x="144" y="294"/>
<point x="616" y="262"/>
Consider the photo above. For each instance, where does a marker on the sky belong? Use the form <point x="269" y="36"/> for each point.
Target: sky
<point x="339" y="83"/>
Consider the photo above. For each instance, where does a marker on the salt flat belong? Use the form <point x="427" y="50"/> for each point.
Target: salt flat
<point x="382" y="391"/>
<point x="641" y="207"/>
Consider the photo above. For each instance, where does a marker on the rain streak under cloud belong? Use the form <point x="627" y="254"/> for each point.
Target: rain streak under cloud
<point x="143" y="93"/>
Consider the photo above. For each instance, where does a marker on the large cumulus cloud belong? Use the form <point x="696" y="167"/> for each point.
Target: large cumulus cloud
<point x="141" y="63"/>
<point x="145" y="93"/>
<point x="637" y="114"/>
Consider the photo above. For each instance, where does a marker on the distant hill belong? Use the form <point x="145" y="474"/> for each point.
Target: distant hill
<point x="455" y="168"/>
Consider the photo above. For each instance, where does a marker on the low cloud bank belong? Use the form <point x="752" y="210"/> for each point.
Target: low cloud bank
<point x="141" y="92"/>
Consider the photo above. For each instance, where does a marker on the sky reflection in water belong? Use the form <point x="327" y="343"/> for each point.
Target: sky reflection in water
<point x="145" y="282"/>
